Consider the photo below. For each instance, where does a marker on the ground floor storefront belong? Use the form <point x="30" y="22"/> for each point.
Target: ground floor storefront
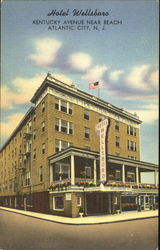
<point x="73" y="204"/>
<point x="74" y="201"/>
<point x="36" y="202"/>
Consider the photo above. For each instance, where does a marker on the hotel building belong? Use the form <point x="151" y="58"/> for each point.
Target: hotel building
<point x="51" y="161"/>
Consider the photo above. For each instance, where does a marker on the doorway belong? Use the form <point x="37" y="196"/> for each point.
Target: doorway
<point x="146" y="202"/>
<point x="98" y="203"/>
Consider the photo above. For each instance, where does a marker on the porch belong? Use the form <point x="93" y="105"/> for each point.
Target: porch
<point x="79" y="167"/>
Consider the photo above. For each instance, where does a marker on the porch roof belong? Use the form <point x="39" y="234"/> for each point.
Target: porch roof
<point x="130" y="162"/>
<point x="73" y="151"/>
<point x="95" y="155"/>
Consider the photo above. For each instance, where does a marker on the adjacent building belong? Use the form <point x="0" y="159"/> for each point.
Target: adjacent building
<point x="51" y="162"/>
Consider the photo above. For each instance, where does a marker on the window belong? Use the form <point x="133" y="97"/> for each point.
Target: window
<point x="86" y="133"/>
<point x="41" y="174"/>
<point x="10" y="185"/>
<point x="79" y="201"/>
<point x="28" y="176"/>
<point x="130" y="177"/>
<point x="43" y="148"/>
<point x="63" y="106"/>
<point x="86" y="114"/>
<point x="61" y="145"/>
<point x="34" y="118"/>
<point x="34" y="154"/>
<point x="64" y="145"/>
<point x="131" y="130"/>
<point x="116" y="125"/>
<point x="29" y="127"/>
<point x="43" y="126"/>
<point x="28" y="147"/>
<point x="88" y="173"/>
<point x="58" y="203"/>
<point x="34" y="134"/>
<point x="57" y="146"/>
<point x="61" y="172"/>
<point x="118" y="175"/>
<point x="70" y="108"/>
<point x="70" y="128"/>
<point x="20" y="162"/>
<point x="43" y="106"/>
<point x="114" y="199"/>
<point x="63" y="126"/>
<point x="56" y="103"/>
<point x="117" y="141"/>
<point x="24" y="159"/>
<point x="57" y="125"/>
<point x="132" y="145"/>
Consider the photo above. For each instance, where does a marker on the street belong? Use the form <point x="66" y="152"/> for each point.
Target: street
<point x="19" y="232"/>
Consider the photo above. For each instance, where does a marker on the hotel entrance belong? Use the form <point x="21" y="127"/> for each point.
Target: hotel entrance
<point x="146" y="202"/>
<point x="98" y="203"/>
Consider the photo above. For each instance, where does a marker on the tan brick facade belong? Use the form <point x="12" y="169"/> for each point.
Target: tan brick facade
<point x="24" y="161"/>
<point x="17" y="144"/>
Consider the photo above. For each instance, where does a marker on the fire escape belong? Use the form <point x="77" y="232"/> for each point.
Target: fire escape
<point x="24" y="163"/>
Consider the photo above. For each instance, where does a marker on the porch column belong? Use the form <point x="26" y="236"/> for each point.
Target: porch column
<point x="137" y="176"/>
<point x="123" y="173"/>
<point x="51" y="172"/>
<point x="95" y="172"/>
<point x="155" y="177"/>
<point x="72" y="170"/>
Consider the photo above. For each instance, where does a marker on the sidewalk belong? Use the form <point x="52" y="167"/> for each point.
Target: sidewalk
<point x="96" y="219"/>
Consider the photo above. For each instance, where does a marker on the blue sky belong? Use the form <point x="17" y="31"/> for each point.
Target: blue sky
<point x="123" y="58"/>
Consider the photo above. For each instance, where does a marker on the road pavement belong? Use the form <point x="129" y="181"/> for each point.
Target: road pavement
<point x="19" y="232"/>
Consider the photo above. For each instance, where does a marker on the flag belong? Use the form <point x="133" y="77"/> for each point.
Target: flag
<point x="94" y="85"/>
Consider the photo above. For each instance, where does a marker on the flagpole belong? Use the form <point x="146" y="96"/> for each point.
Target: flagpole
<point x="99" y="92"/>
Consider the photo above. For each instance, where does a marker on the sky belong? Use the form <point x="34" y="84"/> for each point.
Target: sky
<point x="118" y="47"/>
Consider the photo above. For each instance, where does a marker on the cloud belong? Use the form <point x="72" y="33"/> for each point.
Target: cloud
<point x="95" y="73"/>
<point x="154" y="80"/>
<point x="11" y="123"/>
<point x="147" y="113"/>
<point x="137" y="78"/>
<point x="24" y="89"/>
<point x="114" y="75"/>
<point x="46" y="52"/>
<point x="140" y="82"/>
<point x="79" y="61"/>
<point x="7" y="97"/>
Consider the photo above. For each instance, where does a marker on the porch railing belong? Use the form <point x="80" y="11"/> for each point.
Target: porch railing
<point x="64" y="184"/>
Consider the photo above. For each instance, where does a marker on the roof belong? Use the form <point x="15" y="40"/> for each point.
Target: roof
<point x="71" y="90"/>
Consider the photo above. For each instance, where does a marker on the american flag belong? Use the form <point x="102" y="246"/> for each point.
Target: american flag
<point x="94" y="85"/>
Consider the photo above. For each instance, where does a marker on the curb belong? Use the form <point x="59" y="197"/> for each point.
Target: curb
<point x="79" y="224"/>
